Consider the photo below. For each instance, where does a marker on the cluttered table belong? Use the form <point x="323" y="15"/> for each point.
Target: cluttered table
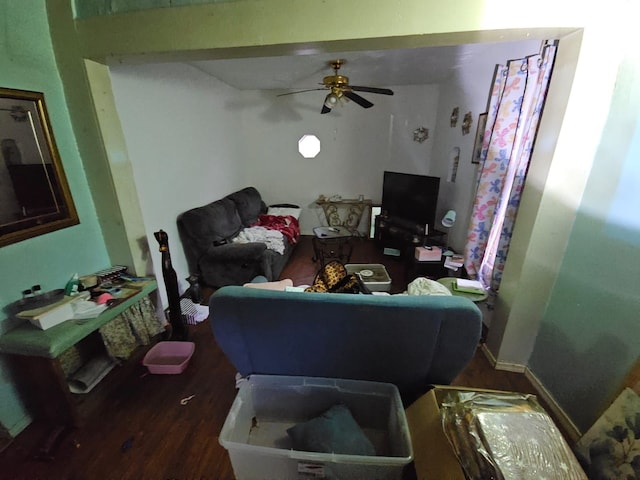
<point x="35" y="354"/>
<point x="27" y="339"/>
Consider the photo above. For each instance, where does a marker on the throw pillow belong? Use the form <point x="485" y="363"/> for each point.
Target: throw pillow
<point x="335" y="431"/>
<point x="282" y="211"/>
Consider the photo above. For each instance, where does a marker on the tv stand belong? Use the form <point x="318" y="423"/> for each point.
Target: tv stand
<point x="405" y="235"/>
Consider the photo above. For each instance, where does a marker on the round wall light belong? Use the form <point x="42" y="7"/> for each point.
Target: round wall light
<point x="309" y="146"/>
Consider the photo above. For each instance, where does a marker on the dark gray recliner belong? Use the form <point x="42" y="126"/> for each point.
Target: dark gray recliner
<point x="207" y="232"/>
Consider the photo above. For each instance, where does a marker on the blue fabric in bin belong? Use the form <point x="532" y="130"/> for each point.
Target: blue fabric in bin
<point x="335" y="431"/>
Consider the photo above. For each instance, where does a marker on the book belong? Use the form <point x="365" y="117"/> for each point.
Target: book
<point x="468" y="286"/>
<point x="454" y="262"/>
<point x="456" y="259"/>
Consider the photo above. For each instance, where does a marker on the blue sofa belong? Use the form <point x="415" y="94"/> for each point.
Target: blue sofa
<point x="410" y="341"/>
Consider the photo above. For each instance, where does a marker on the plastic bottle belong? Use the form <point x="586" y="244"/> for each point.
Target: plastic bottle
<point x="71" y="288"/>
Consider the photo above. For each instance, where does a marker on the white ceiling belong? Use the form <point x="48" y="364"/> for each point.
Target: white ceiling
<point x="379" y="68"/>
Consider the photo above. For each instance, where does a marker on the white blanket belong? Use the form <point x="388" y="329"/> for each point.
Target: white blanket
<point x="272" y="238"/>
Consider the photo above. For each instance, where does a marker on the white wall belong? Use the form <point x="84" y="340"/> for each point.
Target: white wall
<point x="181" y="128"/>
<point x="193" y="139"/>
<point x="357" y="145"/>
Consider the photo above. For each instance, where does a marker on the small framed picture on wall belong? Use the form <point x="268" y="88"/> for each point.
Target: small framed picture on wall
<point x="477" y="144"/>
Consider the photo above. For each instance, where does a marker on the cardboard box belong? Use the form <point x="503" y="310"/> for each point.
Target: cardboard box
<point x="428" y="254"/>
<point x="434" y="457"/>
<point x="50" y="315"/>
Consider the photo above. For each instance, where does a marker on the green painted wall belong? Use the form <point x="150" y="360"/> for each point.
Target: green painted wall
<point x="590" y="334"/>
<point x="27" y="62"/>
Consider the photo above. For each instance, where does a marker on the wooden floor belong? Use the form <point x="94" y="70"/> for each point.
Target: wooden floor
<point x="134" y="426"/>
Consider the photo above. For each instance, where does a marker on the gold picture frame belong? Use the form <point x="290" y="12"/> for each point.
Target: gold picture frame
<point x="477" y="144"/>
<point x="34" y="194"/>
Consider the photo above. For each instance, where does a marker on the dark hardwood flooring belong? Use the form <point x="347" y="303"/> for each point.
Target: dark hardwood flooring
<point x="134" y="426"/>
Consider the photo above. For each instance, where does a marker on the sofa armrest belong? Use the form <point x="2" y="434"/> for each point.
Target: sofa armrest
<point x="236" y="252"/>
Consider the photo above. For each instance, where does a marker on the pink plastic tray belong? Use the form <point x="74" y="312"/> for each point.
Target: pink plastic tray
<point x="169" y="357"/>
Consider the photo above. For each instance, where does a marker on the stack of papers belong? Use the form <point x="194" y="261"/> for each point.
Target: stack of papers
<point x="454" y="262"/>
<point x="85" y="309"/>
<point x="468" y="286"/>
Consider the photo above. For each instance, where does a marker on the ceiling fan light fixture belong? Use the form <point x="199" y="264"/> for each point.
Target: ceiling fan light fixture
<point x="340" y="91"/>
<point x="331" y="100"/>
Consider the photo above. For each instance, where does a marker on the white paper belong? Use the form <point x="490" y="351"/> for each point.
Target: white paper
<point x="83" y="309"/>
<point x="464" y="283"/>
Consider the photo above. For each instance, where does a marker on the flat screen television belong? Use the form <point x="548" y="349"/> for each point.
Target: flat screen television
<point x="410" y="197"/>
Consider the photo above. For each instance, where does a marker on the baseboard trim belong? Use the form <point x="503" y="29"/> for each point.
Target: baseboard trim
<point x="19" y="426"/>
<point x="488" y="354"/>
<point x="570" y="428"/>
<point x="509" y="367"/>
<point x="5" y="439"/>
<point x="560" y="415"/>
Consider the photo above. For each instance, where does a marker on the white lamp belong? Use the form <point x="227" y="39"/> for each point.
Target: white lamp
<point x="449" y="219"/>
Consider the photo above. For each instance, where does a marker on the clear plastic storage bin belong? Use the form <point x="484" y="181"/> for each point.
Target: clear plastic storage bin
<point x="255" y="431"/>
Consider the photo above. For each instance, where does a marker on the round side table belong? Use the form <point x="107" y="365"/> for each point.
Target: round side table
<point x="474" y="297"/>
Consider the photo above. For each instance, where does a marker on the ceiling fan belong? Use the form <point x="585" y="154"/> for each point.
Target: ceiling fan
<point x="339" y="89"/>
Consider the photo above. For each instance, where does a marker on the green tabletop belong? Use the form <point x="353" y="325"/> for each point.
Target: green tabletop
<point x="27" y="339"/>
<point x="474" y="297"/>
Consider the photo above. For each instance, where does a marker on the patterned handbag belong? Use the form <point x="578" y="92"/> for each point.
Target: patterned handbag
<point x="334" y="278"/>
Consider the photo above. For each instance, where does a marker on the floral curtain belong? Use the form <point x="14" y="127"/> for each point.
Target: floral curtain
<point x="517" y="98"/>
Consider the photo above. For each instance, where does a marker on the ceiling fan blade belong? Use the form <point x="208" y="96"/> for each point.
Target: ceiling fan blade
<point x="363" y="102"/>
<point x="300" y="91"/>
<point x="383" y="91"/>
<point x="325" y="109"/>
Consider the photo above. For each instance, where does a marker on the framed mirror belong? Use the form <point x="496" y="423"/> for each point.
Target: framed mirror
<point x="34" y="194"/>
